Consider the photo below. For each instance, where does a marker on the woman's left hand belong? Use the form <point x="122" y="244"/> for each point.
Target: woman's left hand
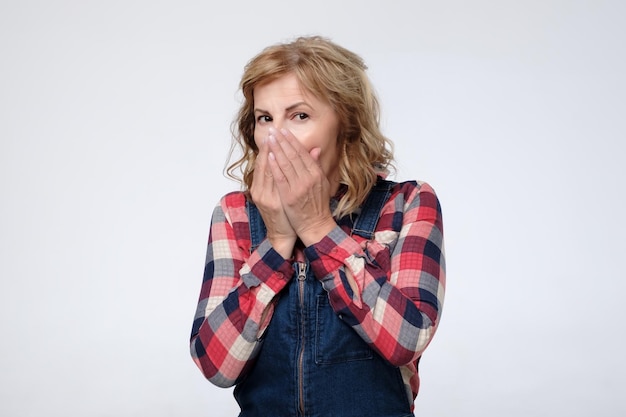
<point x="302" y="185"/>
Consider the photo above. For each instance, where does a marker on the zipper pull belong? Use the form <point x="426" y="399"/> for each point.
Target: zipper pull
<point x="301" y="271"/>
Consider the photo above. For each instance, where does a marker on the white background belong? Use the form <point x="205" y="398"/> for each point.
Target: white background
<point x="114" y="128"/>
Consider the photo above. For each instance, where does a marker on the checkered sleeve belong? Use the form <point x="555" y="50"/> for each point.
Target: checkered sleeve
<point x="235" y="303"/>
<point x="399" y="274"/>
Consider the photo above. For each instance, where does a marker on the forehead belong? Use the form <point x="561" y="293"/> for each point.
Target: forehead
<point x="285" y="85"/>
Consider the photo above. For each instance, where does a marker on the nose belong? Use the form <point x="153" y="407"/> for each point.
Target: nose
<point x="277" y="124"/>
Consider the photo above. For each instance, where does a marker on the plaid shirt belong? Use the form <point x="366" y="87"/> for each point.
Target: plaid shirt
<point x="400" y="275"/>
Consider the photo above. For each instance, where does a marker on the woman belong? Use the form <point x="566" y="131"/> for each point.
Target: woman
<point x="323" y="282"/>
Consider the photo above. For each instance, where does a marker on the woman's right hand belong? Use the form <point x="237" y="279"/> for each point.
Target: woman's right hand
<point x="265" y="196"/>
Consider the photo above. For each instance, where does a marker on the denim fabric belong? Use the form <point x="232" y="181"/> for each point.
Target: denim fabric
<point x="313" y="364"/>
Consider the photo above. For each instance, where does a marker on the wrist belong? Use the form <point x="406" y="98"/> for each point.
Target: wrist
<point x="317" y="231"/>
<point x="284" y="246"/>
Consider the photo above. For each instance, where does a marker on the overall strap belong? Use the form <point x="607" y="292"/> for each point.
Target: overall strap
<point x="257" y="227"/>
<point x="365" y="224"/>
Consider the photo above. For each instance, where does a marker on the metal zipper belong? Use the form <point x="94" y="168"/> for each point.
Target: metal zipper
<point x="301" y="279"/>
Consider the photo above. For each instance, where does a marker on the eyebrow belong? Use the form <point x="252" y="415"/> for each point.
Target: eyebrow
<point x="288" y="109"/>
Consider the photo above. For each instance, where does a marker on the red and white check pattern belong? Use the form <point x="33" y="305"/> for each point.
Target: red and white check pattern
<point x="400" y="276"/>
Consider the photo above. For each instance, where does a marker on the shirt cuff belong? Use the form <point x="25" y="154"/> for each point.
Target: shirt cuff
<point x="268" y="266"/>
<point x="330" y="253"/>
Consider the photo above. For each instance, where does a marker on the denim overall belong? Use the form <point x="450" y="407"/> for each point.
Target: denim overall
<point x="311" y="362"/>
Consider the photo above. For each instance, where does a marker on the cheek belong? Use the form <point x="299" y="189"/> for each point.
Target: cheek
<point x="309" y="142"/>
<point x="313" y="136"/>
<point x="259" y="136"/>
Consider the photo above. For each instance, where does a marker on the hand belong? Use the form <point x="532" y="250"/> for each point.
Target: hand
<point x="303" y="187"/>
<point x="265" y="196"/>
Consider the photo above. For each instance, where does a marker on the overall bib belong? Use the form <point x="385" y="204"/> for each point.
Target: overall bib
<point x="311" y="363"/>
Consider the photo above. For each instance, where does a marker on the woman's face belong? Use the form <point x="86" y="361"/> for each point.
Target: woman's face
<point x="285" y="104"/>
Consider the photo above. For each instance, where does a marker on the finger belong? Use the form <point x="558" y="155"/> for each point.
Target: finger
<point x="266" y="172"/>
<point x="290" y="145"/>
<point x="282" y="160"/>
<point x="259" y="163"/>
<point x="268" y="179"/>
<point x="315" y="156"/>
<point x="305" y="160"/>
<point x="278" y="175"/>
<point x="262" y="180"/>
<point x="292" y="156"/>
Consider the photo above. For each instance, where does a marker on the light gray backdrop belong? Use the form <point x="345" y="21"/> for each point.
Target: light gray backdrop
<point x="114" y="128"/>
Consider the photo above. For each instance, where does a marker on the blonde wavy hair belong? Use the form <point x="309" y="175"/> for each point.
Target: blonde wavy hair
<point x="336" y="75"/>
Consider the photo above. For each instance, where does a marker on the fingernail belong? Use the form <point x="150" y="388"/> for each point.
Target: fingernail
<point x="283" y="131"/>
<point x="272" y="131"/>
<point x="272" y="138"/>
<point x="271" y="156"/>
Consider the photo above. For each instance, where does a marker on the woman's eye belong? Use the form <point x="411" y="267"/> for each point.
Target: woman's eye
<point x="302" y="116"/>
<point x="263" y="118"/>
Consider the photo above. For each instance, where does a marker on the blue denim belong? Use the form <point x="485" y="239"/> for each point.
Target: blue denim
<point x="313" y="364"/>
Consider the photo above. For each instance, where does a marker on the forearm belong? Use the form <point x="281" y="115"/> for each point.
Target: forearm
<point x="235" y="303"/>
<point x="389" y="289"/>
<point x="228" y="336"/>
<point x="396" y="326"/>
